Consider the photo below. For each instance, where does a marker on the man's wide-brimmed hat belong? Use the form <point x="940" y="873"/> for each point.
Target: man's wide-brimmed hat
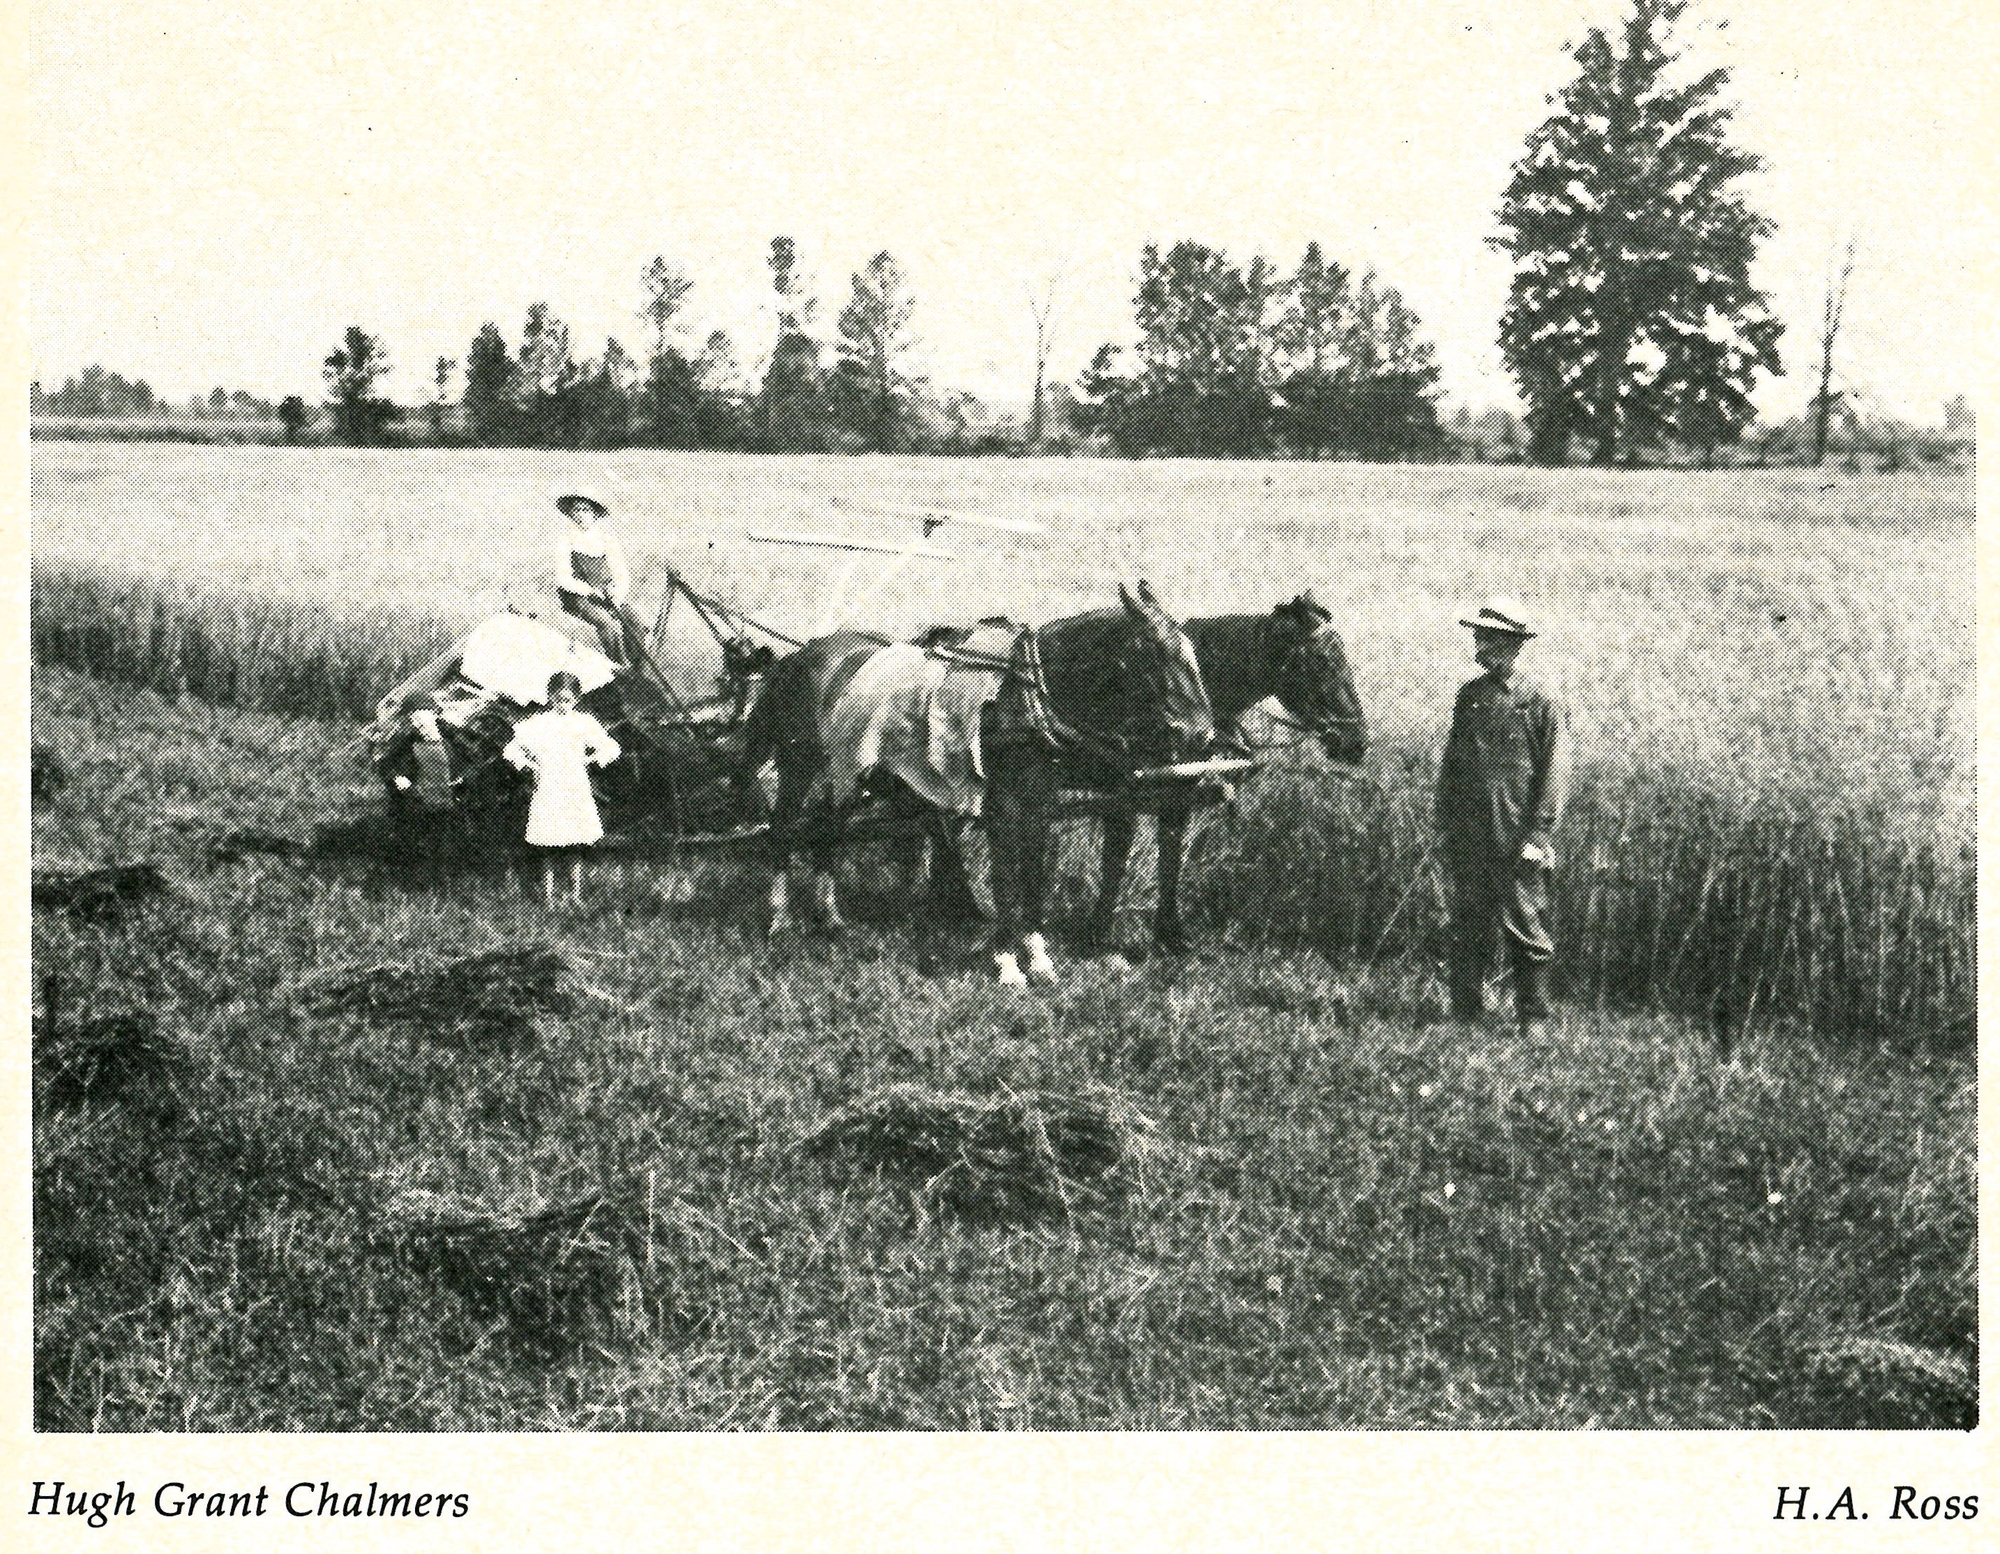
<point x="1503" y="615"/>
<point x="582" y="494"/>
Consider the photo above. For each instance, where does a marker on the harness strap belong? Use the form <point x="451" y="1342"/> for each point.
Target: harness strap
<point x="1038" y="706"/>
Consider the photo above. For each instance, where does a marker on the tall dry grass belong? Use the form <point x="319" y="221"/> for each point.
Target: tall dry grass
<point x="1747" y="873"/>
<point x="290" y="657"/>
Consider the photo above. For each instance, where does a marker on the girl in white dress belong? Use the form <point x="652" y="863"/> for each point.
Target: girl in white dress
<point x="560" y="746"/>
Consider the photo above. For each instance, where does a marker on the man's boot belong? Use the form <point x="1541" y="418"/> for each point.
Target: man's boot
<point x="1531" y="996"/>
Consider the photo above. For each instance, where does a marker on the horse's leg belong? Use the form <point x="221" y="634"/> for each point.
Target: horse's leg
<point x="911" y="832"/>
<point x="1171" y="828"/>
<point x="778" y="917"/>
<point x="1118" y="829"/>
<point x="826" y="897"/>
<point x="1006" y="844"/>
<point x="1037" y="818"/>
<point x="1003" y="833"/>
<point x="951" y="897"/>
<point x="786" y="816"/>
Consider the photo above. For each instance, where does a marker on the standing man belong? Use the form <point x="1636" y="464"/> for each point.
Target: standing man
<point x="595" y="583"/>
<point x="1500" y="794"/>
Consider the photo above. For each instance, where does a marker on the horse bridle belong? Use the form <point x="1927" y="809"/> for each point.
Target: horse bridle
<point x="1332" y="721"/>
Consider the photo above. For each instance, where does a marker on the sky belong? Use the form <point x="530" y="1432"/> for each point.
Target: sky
<point x="218" y="193"/>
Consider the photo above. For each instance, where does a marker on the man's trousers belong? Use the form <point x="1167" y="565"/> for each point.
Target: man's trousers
<point x="1506" y="899"/>
<point x="618" y="629"/>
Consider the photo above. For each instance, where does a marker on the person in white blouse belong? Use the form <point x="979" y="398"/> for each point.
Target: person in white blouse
<point x="594" y="581"/>
<point x="559" y="747"/>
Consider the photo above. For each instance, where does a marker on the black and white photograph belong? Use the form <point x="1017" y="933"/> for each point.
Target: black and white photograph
<point x="1155" y="720"/>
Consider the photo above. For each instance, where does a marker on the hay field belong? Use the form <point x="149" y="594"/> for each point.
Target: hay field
<point x="655" y="1175"/>
<point x="1745" y="621"/>
<point x="1770" y="674"/>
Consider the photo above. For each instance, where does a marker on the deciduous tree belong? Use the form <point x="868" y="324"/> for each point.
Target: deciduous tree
<point x="874" y="341"/>
<point x="351" y="371"/>
<point x="545" y="372"/>
<point x="1833" y="312"/>
<point x="441" y="378"/>
<point x="1308" y="341"/>
<point x="1045" y="308"/>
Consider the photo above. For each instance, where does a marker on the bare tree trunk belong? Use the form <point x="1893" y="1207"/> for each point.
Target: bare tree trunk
<point x="1832" y="309"/>
<point x="1042" y="307"/>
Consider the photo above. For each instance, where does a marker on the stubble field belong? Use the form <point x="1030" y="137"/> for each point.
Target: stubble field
<point x="1338" y="1211"/>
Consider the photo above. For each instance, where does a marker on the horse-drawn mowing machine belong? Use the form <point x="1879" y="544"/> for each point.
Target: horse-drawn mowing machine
<point x="437" y="739"/>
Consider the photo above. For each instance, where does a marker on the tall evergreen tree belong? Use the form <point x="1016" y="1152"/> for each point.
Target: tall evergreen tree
<point x="489" y="387"/>
<point x="1631" y="316"/>
<point x="793" y="408"/>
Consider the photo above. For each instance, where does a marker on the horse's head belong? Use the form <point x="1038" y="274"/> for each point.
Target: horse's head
<point x="1160" y="666"/>
<point x="1313" y="680"/>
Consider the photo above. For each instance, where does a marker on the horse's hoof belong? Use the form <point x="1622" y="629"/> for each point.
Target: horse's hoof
<point x="1039" y="964"/>
<point x="1011" y="975"/>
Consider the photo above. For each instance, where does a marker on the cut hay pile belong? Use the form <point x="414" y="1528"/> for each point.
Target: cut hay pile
<point x="100" y="1059"/>
<point x="418" y="839"/>
<point x="496" y="995"/>
<point x="1025" y="1153"/>
<point x="47" y="774"/>
<point x="551" y="1272"/>
<point x="1885" y="1384"/>
<point x="239" y="845"/>
<point x="97" y="895"/>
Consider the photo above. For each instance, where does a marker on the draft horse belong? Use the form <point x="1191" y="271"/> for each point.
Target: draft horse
<point x="1087" y="702"/>
<point x="1082" y="703"/>
<point x="1293" y="654"/>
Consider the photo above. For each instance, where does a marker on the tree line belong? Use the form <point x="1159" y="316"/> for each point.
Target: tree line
<point x="96" y="392"/>
<point x="1632" y="330"/>
<point x="1230" y="362"/>
<point x="1248" y="362"/>
<point x="855" y="393"/>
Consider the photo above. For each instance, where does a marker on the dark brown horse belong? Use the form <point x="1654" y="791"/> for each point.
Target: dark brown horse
<point x="1115" y="693"/>
<point x="1293" y="654"/>
<point x="1084" y="702"/>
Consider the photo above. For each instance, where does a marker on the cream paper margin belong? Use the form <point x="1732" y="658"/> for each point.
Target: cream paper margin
<point x="1106" y="1493"/>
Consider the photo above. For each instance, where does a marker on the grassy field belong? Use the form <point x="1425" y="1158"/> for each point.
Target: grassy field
<point x="1337" y="1212"/>
<point x="1327" y="1208"/>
